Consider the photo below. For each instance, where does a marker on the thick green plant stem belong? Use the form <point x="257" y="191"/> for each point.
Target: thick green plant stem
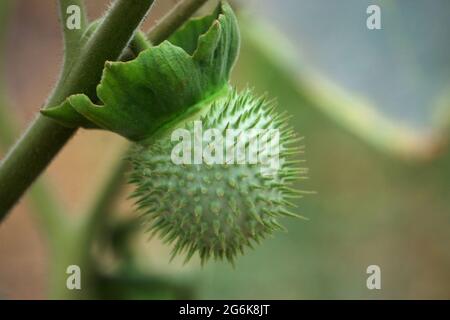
<point x="45" y="138"/>
<point x="44" y="205"/>
<point x="28" y="158"/>
<point x="173" y="20"/>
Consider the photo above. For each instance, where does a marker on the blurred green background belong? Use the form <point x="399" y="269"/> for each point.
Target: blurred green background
<point x="372" y="106"/>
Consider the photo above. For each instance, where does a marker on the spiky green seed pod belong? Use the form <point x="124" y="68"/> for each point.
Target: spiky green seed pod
<point x="217" y="209"/>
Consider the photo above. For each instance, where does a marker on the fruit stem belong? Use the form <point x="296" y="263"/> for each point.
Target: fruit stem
<point x="173" y="20"/>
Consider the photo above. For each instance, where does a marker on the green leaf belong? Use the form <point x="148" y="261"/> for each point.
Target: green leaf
<point x="163" y="84"/>
<point x="67" y="116"/>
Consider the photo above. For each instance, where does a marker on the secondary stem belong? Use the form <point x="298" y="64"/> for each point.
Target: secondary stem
<point x="173" y="20"/>
<point x="45" y="138"/>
